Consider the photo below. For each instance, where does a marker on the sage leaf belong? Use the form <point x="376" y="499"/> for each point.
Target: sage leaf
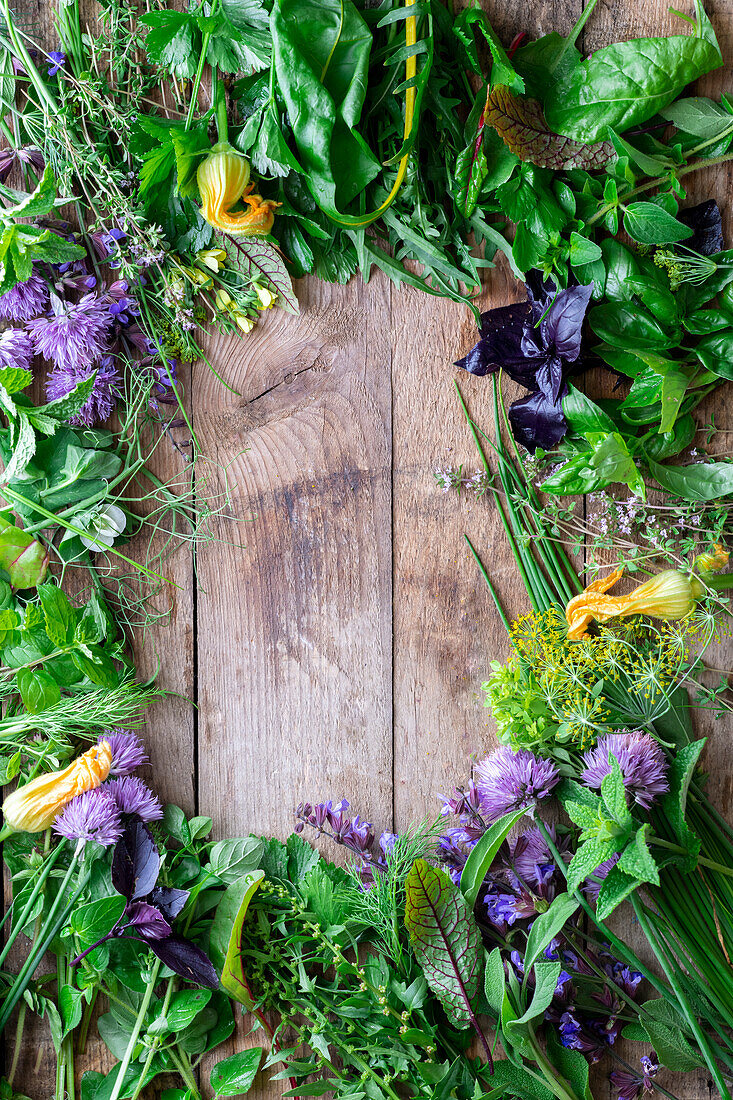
<point x="483" y="854"/>
<point x="547" y="925"/>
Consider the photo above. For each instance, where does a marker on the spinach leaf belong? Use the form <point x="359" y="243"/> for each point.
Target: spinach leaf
<point x="627" y="83"/>
<point x="321" y="54"/>
<point x="623" y="325"/>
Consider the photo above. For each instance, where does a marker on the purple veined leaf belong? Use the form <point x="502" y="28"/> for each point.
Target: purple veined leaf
<point x="169" y="900"/>
<point x="135" y="863"/>
<point x="520" y="123"/>
<point x="707" y="226"/>
<point x="446" y="940"/>
<point x="147" y="921"/>
<point x="187" y="960"/>
<point x="537" y="421"/>
<point x="252" y="256"/>
<point x="562" y="326"/>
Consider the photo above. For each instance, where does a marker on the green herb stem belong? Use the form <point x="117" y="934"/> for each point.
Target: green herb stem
<point x="136" y="1029"/>
<point x="28" y="907"/>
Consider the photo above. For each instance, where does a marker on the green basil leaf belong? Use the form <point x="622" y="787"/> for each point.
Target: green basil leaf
<point x="715" y="352"/>
<point x="235" y="1075"/>
<point x="698" y="481"/>
<point x="647" y="223"/>
<point x="38" y="690"/>
<point x="621" y="324"/>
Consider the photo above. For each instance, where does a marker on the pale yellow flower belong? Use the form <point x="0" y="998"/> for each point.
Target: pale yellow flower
<point x="266" y="298"/>
<point x="223" y="180"/>
<point x="34" y="807"/>
<point x="213" y="258"/>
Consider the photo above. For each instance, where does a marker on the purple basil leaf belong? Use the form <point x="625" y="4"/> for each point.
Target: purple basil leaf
<point x="549" y="378"/>
<point x="186" y="959"/>
<point x="707" y="225"/>
<point x="136" y="863"/>
<point x="563" y="323"/>
<point x="537" y="421"/>
<point x="147" y="921"/>
<point x="169" y="900"/>
<point x="502" y="330"/>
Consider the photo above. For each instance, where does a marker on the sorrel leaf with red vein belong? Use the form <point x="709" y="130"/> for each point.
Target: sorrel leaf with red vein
<point x="520" y="122"/>
<point x="446" y="940"/>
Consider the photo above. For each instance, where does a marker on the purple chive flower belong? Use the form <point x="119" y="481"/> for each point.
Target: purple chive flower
<point x="16" y="349"/>
<point x="90" y="816"/>
<point x="532" y="860"/>
<point x="128" y="751"/>
<point x="132" y="796"/>
<point x="25" y="300"/>
<point x="58" y="60"/>
<point x="101" y="401"/>
<point x="75" y="335"/>
<point x="591" y="889"/>
<point x="641" y="760"/>
<point x="508" y="781"/>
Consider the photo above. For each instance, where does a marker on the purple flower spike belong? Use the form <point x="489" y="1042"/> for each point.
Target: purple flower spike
<point x="642" y="764"/>
<point x="90" y="816"/>
<point x="16" y="349"/>
<point x="25" y="300"/>
<point x="132" y="796"/>
<point x="632" y="1085"/>
<point x="128" y="751"/>
<point x="75" y="335"/>
<point x="508" y="781"/>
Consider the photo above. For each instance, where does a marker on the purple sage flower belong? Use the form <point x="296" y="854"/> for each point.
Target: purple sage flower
<point x="24" y="301"/>
<point x="101" y="401"/>
<point x="16" y="349"/>
<point x="509" y="781"/>
<point x="75" y="334"/>
<point x="642" y="764"/>
<point x="132" y="796"/>
<point x="632" y="1085"/>
<point x="90" y="816"/>
<point x="58" y="60"/>
<point x="128" y="751"/>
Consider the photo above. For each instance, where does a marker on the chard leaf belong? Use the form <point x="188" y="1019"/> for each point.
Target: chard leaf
<point x="521" y="124"/>
<point x="255" y="257"/>
<point x="445" y="938"/>
<point x="227" y="930"/>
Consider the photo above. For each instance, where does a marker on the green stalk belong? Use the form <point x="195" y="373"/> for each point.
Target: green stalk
<point x="54" y="923"/>
<point x="220" y="101"/>
<point x="669" y="971"/>
<point x="489" y="585"/>
<point x="28" y="907"/>
<point x="135" y="1034"/>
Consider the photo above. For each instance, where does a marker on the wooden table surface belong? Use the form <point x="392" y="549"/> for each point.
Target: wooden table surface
<point x="335" y="643"/>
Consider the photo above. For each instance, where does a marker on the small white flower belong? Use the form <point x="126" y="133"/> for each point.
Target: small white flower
<point x="103" y="525"/>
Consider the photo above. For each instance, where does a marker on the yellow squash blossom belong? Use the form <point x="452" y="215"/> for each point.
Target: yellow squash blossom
<point x="223" y="180"/>
<point x="33" y="808"/>
<point x="670" y="595"/>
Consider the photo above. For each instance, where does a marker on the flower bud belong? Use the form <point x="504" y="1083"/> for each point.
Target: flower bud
<point x="33" y="808"/>
<point x="223" y="179"/>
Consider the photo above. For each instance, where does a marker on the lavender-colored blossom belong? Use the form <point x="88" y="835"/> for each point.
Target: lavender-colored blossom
<point x="464" y="801"/>
<point x="509" y="781"/>
<point x="101" y="401"/>
<point x="640" y="759"/>
<point x="16" y="349"/>
<point x="576" y="1037"/>
<point x="128" y="751"/>
<point x="532" y="860"/>
<point x="75" y="334"/>
<point x="387" y="842"/>
<point x="28" y="155"/>
<point x="592" y="886"/>
<point x="58" y="60"/>
<point x="24" y="301"/>
<point x="132" y="796"/>
<point x="91" y="816"/>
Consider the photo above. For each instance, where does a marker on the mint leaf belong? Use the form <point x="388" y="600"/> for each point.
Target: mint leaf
<point x="616" y="887"/>
<point x="613" y="794"/>
<point x="589" y="856"/>
<point x="637" y="860"/>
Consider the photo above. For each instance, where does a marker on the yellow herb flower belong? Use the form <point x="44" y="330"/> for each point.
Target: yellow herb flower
<point x="223" y="179"/>
<point x="711" y="563"/>
<point x="266" y="298"/>
<point x="223" y="299"/>
<point x="213" y="258"/>
<point x="670" y="595"/>
<point x="244" y="321"/>
<point x="33" y="808"/>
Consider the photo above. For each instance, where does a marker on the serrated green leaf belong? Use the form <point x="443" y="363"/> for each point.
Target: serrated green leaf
<point x="588" y="856"/>
<point x="613" y="794"/>
<point x="637" y="860"/>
